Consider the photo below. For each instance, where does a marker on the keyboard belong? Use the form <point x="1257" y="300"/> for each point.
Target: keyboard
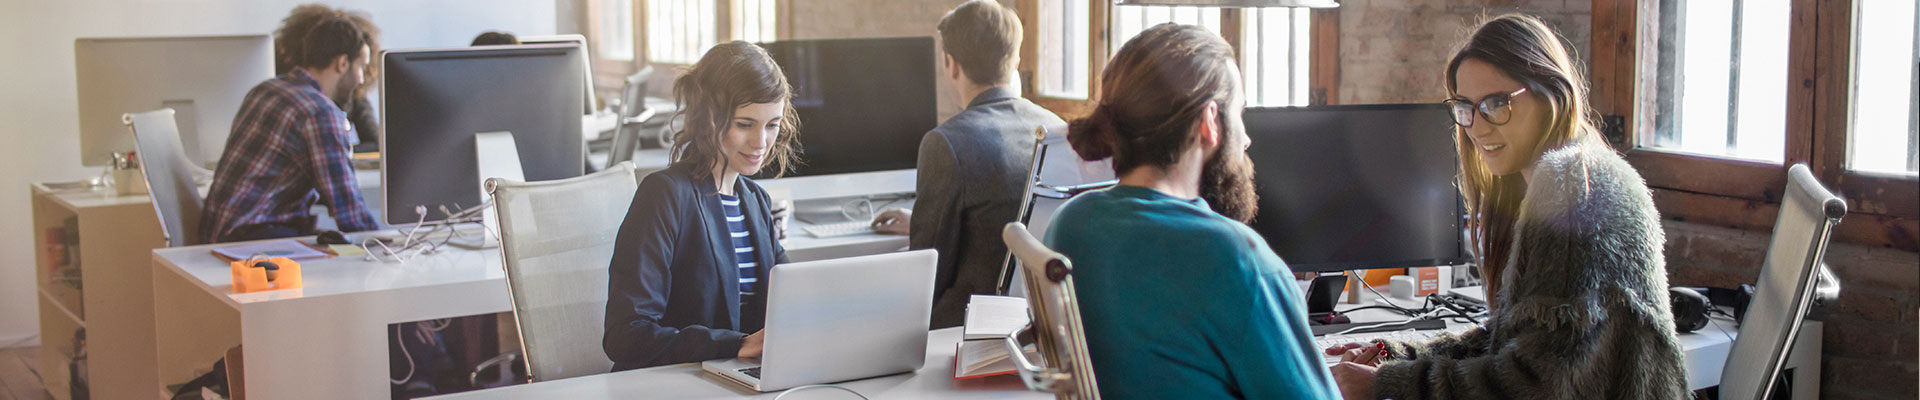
<point x="839" y="229"/>
<point x="1323" y="342"/>
<point x="753" y="372"/>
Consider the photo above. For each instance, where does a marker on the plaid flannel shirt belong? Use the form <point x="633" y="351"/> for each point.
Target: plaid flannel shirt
<point x="290" y="148"/>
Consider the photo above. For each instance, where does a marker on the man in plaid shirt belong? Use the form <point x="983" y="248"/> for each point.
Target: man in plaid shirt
<point x="290" y="146"/>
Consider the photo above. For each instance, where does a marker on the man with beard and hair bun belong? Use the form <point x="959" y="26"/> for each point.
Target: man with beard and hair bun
<point x="1180" y="299"/>
<point x="289" y="148"/>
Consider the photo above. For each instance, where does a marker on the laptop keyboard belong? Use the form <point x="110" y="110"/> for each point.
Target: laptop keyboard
<point x="753" y="372"/>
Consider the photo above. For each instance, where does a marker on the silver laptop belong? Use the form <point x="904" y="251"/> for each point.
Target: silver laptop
<point x="841" y="319"/>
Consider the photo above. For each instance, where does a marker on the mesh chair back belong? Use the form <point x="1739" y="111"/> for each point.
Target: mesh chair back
<point x="169" y="175"/>
<point x="556" y="237"/>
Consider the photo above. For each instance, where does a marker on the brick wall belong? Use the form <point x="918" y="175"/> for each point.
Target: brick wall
<point x="1395" y="51"/>
<point x="1870" y="342"/>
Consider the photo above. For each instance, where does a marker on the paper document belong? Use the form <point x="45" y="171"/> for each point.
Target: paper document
<point x="993" y="317"/>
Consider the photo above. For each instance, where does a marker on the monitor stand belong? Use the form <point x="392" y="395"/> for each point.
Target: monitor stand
<point x="496" y="156"/>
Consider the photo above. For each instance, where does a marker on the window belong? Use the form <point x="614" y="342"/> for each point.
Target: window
<point x="1722" y="79"/>
<point x="1883" y="123"/>
<point x="1273" y="45"/>
<point x="615" y="36"/>
<point x="1129" y="21"/>
<point x="1692" y="86"/>
<point x="680" y="31"/>
<point x="753" y="21"/>
<point x="1063" y="65"/>
<point x="1276" y="49"/>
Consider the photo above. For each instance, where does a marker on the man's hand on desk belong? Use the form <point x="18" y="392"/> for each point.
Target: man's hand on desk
<point x="751" y="345"/>
<point x="894" y="221"/>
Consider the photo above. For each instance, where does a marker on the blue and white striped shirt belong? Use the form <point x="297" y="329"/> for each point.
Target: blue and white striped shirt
<point x="742" y="243"/>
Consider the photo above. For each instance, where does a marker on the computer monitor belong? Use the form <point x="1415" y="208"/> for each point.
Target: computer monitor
<point x="437" y="100"/>
<point x="586" y="67"/>
<point x="1357" y="187"/>
<point x="203" y="78"/>
<point x="863" y="104"/>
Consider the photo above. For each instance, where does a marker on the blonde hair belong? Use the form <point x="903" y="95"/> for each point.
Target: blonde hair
<point x="1525" y="49"/>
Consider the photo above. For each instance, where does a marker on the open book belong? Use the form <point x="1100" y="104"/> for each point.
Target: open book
<point x="983" y="351"/>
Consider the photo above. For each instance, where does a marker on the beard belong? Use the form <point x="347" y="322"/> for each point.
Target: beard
<point x="1226" y="183"/>
<point x="343" y="93"/>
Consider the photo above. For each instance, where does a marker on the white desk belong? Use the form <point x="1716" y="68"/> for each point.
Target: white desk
<point x="328" y="340"/>
<point x="687" y="381"/>
<point x="324" y="341"/>
<point x="1706" y="350"/>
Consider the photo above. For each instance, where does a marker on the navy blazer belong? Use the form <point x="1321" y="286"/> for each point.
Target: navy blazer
<point x="673" y="291"/>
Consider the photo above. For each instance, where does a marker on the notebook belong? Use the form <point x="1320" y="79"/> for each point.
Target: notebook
<point x="291" y="249"/>
<point x="993" y="317"/>
<point x="983" y="350"/>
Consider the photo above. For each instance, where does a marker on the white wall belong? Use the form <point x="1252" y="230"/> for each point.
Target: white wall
<point x="38" y="111"/>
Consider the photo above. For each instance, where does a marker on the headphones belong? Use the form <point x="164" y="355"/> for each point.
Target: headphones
<point x="1692" y="305"/>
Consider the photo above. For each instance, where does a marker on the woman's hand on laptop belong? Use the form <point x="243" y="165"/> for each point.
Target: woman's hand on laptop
<point x="751" y="345"/>
<point x="894" y="221"/>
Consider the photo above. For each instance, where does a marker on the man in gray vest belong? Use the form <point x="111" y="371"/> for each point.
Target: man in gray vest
<point x="972" y="168"/>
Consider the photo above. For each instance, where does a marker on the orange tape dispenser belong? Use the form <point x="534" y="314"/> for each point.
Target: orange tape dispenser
<point x="256" y="274"/>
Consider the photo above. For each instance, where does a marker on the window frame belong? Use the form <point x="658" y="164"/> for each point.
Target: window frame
<point x="1323" y="64"/>
<point x="610" y="75"/>
<point x="1741" y="193"/>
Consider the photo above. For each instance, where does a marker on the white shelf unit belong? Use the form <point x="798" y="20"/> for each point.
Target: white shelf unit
<point x="107" y="251"/>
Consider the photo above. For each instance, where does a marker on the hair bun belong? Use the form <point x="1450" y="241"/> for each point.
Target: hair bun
<point x="1093" y="137"/>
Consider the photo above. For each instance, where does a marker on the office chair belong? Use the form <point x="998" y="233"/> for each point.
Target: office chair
<point x="555" y="239"/>
<point x="1067" y="370"/>
<point x="633" y="114"/>
<point x="1055" y="175"/>
<point x="170" y="175"/>
<point x="1787" y="287"/>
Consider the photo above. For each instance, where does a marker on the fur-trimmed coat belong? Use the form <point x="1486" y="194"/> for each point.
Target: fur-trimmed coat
<point x="1583" y="307"/>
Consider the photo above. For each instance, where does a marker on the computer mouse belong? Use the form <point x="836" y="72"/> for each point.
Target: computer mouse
<point x="329" y="238"/>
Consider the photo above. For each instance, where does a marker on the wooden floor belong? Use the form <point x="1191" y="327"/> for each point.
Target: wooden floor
<point x="20" y="374"/>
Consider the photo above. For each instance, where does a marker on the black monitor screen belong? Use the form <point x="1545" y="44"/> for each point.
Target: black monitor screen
<point x="437" y="100"/>
<point x="1357" y="187"/>
<point x="863" y="104"/>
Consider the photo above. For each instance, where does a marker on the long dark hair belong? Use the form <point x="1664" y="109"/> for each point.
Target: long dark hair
<point x="1150" y="94"/>
<point x="1528" y="51"/>
<point x="731" y="75"/>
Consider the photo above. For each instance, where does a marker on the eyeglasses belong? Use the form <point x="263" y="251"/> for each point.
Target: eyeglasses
<point x="1496" y="108"/>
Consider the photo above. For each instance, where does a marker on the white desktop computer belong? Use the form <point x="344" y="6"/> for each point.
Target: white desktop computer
<point x="202" y="78"/>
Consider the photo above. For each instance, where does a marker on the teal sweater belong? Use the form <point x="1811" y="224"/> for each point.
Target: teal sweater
<point x="1180" y="302"/>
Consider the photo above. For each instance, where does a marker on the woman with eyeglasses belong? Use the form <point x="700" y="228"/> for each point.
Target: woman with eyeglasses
<point x="1565" y="233"/>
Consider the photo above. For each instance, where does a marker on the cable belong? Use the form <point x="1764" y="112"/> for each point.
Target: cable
<point x="804" y="387"/>
<point x="397" y="336"/>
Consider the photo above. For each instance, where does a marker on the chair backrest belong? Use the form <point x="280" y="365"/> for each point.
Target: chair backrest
<point x="555" y="239"/>
<point x="1055" y="167"/>
<point x="1786" y="287"/>
<point x="633" y="101"/>
<point x="169" y="175"/>
<point x="1067" y="370"/>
